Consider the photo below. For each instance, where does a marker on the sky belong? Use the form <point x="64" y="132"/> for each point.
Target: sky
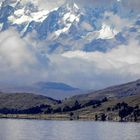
<point x="50" y="4"/>
<point x="134" y="4"/>
<point x="92" y="70"/>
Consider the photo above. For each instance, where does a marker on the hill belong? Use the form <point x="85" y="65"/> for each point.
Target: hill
<point x="114" y="103"/>
<point x="54" y="90"/>
<point x="22" y="101"/>
<point x="119" y="91"/>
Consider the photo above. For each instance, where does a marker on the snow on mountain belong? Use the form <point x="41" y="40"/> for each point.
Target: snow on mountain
<point x="67" y="27"/>
<point x="71" y="15"/>
<point x="20" y="16"/>
<point x="106" y="32"/>
<point x="49" y="34"/>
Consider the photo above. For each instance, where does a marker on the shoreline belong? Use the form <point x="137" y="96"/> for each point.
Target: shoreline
<point x="56" y="117"/>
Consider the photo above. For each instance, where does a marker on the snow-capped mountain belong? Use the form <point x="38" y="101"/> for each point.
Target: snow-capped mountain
<point x="68" y="27"/>
<point x="71" y="43"/>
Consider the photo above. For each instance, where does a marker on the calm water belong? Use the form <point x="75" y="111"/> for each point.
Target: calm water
<point x="67" y="130"/>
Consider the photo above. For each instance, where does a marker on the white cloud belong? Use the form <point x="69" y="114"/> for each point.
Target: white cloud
<point x="86" y="26"/>
<point x="21" y="62"/>
<point x="50" y="4"/>
<point x="17" y="59"/>
<point x="53" y="3"/>
<point x="20" y="59"/>
<point x="119" y="58"/>
<point x="13" y="50"/>
<point x="99" y="69"/>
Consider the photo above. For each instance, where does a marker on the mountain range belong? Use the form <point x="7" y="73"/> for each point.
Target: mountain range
<point x="66" y="28"/>
<point x="70" y="27"/>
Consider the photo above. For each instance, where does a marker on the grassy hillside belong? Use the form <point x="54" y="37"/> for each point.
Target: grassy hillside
<point x="119" y="91"/>
<point x="114" y="103"/>
<point x="22" y="101"/>
<point x="111" y="108"/>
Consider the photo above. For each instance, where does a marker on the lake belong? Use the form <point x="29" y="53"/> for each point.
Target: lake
<point x="11" y="129"/>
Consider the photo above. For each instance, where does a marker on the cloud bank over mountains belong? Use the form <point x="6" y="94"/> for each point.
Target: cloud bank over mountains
<point x="21" y="62"/>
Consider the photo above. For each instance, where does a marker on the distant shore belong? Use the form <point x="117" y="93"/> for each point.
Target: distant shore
<point x="61" y="117"/>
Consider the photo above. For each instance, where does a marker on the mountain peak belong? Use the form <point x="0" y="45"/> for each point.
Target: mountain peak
<point x="71" y="5"/>
<point x="55" y="85"/>
<point x="20" y="3"/>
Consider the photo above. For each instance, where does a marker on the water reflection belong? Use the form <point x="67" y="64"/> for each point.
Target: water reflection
<point x="67" y="130"/>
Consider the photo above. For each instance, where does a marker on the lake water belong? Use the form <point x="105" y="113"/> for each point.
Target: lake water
<point x="67" y="130"/>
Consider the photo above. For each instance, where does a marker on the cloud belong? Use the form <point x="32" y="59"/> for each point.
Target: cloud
<point x="119" y="23"/>
<point x="133" y="4"/>
<point x="99" y="69"/>
<point x="17" y="59"/>
<point x="50" y="4"/>
<point x="21" y="60"/>
<point x="13" y="50"/>
<point x="116" y="59"/>
<point x="129" y="4"/>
